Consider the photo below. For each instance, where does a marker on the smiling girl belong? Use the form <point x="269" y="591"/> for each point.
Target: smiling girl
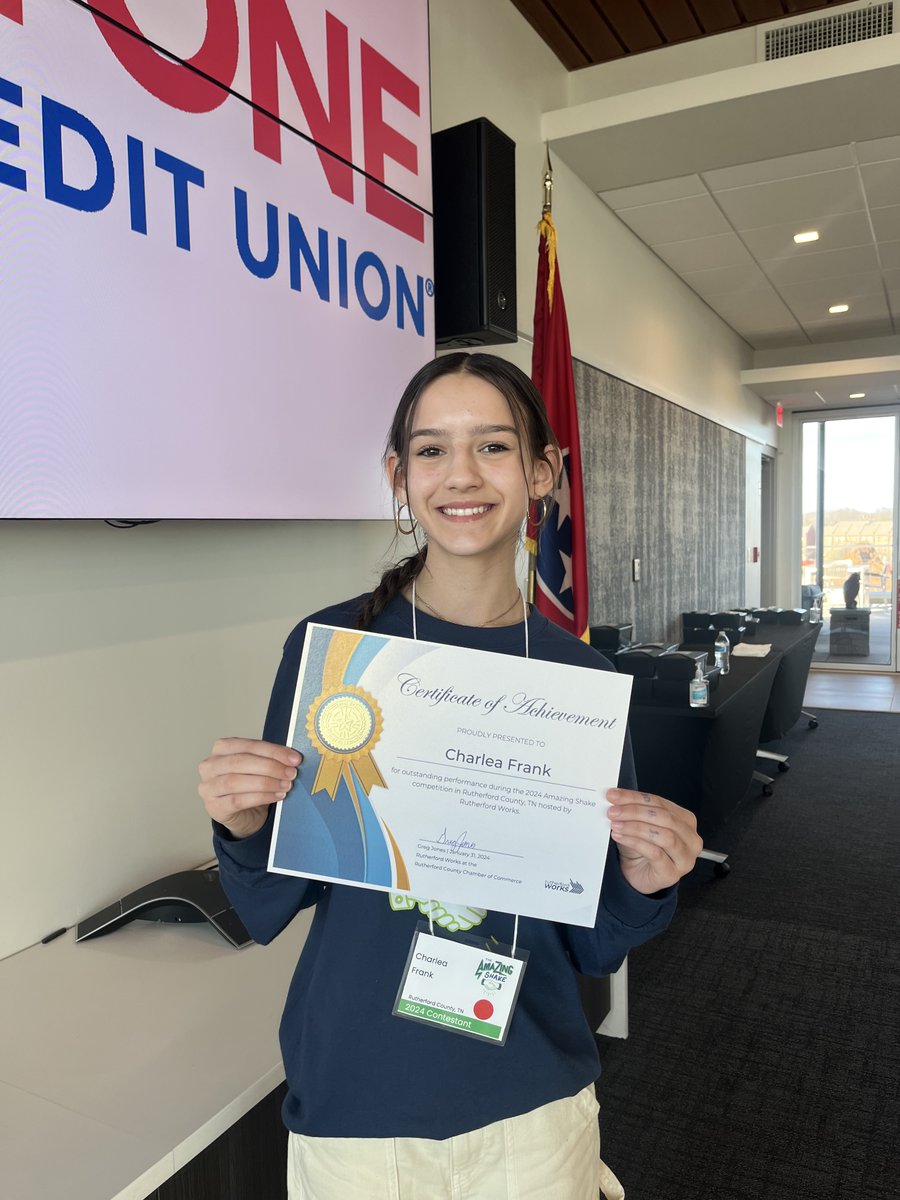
<point x="378" y="1106"/>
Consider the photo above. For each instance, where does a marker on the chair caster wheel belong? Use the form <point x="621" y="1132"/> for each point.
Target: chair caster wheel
<point x="767" y="789"/>
<point x="782" y="767"/>
<point x="720" y="870"/>
<point x="814" y="724"/>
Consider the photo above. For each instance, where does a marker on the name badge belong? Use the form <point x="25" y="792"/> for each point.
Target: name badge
<point x="464" y="986"/>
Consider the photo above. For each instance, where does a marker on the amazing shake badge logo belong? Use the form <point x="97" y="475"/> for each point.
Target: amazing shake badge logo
<point x="492" y="973"/>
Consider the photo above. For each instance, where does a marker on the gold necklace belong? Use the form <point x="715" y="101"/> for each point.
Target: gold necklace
<point x="499" y="617"/>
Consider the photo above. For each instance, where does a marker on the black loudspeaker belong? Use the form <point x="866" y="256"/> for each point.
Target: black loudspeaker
<point x="474" y="178"/>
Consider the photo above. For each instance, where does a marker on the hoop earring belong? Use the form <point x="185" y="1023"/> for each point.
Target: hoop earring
<point x="413" y="523"/>
<point x="546" y="508"/>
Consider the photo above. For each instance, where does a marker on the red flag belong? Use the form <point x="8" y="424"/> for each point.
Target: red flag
<point x="561" y="584"/>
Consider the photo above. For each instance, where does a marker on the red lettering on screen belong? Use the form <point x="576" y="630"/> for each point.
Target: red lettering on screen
<point x="272" y="30"/>
<point x="273" y="38"/>
<point x="169" y="81"/>
<point x="382" y="141"/>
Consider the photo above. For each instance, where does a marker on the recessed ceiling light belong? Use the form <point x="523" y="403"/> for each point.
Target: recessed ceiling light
<point x="839" y="308"/>
<point x="811" y="235"/>
<point x="857" y="396"/>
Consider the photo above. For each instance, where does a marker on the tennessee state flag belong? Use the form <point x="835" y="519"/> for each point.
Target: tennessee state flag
<point x="561" y="582"/>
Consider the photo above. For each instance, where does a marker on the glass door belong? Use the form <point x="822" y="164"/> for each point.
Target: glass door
<point x="848" y="550"/>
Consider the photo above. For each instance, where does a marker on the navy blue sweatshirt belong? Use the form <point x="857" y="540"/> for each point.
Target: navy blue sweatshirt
<point x="355" y="1070"/>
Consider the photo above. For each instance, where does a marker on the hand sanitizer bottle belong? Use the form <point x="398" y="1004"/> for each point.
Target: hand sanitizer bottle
<point x="699" y="693"/>
<point x="723" y="646"/>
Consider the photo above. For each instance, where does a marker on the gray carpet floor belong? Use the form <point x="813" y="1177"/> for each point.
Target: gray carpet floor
<point x="764" y="1054"/>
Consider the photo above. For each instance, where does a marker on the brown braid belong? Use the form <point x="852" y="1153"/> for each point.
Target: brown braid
<point x="391" y="584"/>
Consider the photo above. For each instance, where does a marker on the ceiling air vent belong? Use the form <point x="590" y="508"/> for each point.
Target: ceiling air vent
<point x="838" y="29"/>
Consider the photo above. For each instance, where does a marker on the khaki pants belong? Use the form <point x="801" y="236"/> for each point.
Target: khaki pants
<point x="552" y="1153"/>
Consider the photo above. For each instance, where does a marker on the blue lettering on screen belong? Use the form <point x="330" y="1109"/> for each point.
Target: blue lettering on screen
<point x="182" y="174"/>
<point x="380" y="310"/>
<point x="318" y="267"/>
<point x="327" y="265"/>
<point x="11" y="176"/>
<point x="55" y="118"/>
<point x="262" y="268"/>
<point x="137" y="192"/>
<point x="327" y="261"/>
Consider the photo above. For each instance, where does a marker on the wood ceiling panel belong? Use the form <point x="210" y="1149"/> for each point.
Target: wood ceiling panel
<point x="754" y="11"/>
<point x="676" y="21"/>
<point x="582" y="33"/>
<point x="544" y="21"/>
<point x="632" y="25"/>
<point x="717" y="16"/>
<point x="593" y="31"/>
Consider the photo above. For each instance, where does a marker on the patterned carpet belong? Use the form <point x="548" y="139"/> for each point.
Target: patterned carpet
<point x="764" y="1056"/>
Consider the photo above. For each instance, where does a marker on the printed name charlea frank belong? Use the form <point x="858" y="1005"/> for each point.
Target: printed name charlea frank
<point x="453" y="754"/>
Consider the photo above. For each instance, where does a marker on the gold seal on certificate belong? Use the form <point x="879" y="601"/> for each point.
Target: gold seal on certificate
<point x="344" y="726"/>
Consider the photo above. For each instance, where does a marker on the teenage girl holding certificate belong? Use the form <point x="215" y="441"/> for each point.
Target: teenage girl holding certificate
<point x="379" y="1106"/>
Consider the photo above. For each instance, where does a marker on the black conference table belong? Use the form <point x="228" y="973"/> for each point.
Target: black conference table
<point x="704" y="758"/>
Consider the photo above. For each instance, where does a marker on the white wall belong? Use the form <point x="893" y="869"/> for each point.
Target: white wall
<point x="124" y="653"/>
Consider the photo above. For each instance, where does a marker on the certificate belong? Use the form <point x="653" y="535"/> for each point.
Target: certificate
<point x="451" y="775"/>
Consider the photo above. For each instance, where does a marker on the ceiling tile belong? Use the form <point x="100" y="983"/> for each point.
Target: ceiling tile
<point x="676" y="220"/>
<point x="886" y="222"/>
<point x="653" y="193"/>
<point x="700" y="254"/>
<point x="882" y="182"/>
<point x="889" y="253"/>
<point x="797" y="199"/>
<point x="787" y="167"/>
<point x="827" y="264"/>
<point x="758" y="309"/>
<point x="824" y="332"/>
<point x="835" y="232"/>
<point x="720" y="281"/>
<point x="878" y="150"/>
<point x="809" y="302"/>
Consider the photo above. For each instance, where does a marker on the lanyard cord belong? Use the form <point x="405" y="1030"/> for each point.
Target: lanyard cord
<point x="527" y="655"/>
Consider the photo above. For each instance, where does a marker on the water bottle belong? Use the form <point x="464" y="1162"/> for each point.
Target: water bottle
<point x="815" y="612"/>
<point x="723" y="646"/>
<point x="699" y="693"/>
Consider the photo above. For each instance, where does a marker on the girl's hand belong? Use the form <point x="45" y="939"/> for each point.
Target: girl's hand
<point x="242" y="778"/>
<point x="658" y="841"/>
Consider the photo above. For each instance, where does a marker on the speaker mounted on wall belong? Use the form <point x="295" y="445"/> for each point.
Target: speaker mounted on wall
<point x="474" y="175"/>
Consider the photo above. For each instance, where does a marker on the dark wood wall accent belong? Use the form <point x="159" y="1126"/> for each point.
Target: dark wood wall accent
<point x="248" y="1161"/>
<point x="668" y="487"/>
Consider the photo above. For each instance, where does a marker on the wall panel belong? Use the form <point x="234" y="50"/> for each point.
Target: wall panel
<point x="664" y="485"/>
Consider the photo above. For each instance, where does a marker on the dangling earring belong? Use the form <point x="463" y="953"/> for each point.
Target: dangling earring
<point x="413" y="523"/>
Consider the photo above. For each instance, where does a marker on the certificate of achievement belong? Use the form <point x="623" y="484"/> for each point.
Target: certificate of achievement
<point x="451" y="775"/>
